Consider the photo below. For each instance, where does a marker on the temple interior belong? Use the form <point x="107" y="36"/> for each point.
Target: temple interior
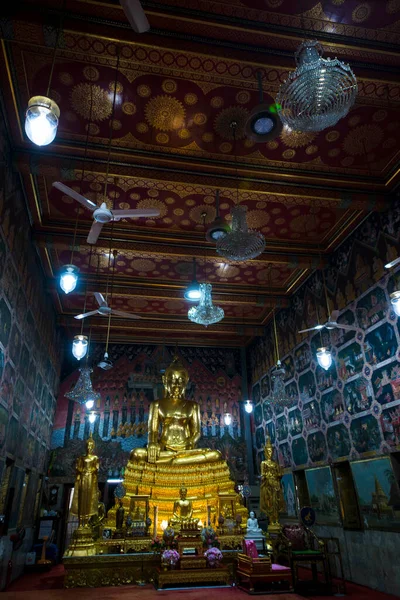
<point x="200" y="299"/>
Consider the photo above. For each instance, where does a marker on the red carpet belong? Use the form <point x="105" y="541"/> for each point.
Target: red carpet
<point x="50" y="584"/>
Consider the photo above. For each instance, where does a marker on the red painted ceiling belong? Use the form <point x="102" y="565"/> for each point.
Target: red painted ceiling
<point x="169" y="145"/>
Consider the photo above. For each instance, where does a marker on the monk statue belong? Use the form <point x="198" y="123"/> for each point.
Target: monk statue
<point x="271" y="496"/>
<point x="183" y="510"/>
<point x="86" y="493"/>
<point x="180" y="422"/>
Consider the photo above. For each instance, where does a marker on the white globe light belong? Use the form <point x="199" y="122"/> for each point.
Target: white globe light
<point x="69" y="278"/>
<point x="41" y="120"/>
<point x="227" y="418"/>
<point x="248" y="407"/>
<point x="89" y="404"/>
<point x="79" y="346"/>
<point x="395" y="302"/>
<point x="324" y="358"/>
<point x="92" y="417"/>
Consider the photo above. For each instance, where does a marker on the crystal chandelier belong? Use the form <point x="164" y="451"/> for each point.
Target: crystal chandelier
<point x="278" y="392"/>
<point x="205" y="313"/>
<point x="318" y="93"/>
<point x="240" y="243"/>
<point x="83" y="391"/>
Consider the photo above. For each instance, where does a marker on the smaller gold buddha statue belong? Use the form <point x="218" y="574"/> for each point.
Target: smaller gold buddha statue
<point x="183" y="511"/>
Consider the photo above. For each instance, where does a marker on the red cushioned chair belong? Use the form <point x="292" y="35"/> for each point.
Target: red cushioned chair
<point x="254" y="570"/>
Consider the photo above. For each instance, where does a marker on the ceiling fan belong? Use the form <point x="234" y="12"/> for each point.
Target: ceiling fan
<point x="135" y="14"/>
<point x="105" y="311"/>
<point x="330" y="324"/>
<point x="101" y="214"/>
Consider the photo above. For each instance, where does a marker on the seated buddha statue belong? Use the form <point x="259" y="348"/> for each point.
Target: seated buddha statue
<point x="179" y="420"/>
<point x="183" y="510"/>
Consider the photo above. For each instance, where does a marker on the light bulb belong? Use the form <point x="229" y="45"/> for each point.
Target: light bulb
<point x="79" y="346"/>
<point x="89" y="404"/>
<point x="395" y="302"/>
<point x="192" y="292"/>
<point x="324" y="358"/>
<point x="69" y="278"/>
<point x="41" y="120"/>
<point x="164" y="524"/>
<point x="248" y="407"/>
<point x="227" y="419"/>
<point x="92" y="417"/>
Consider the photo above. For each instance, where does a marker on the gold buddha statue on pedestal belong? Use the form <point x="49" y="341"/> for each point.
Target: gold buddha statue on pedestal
<point x="180" y="422"/>
<point x="172" y="461"/>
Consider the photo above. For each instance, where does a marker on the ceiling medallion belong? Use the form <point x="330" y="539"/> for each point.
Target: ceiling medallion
<point x="240" y="243"/>
<point x="205" y="313"/>
<point x="318" y="93"/>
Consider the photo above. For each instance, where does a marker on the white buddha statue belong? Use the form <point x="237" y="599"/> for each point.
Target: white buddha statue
<point x="252" y="526"/>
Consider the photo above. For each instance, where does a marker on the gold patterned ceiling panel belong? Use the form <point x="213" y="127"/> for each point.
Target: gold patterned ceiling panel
<point x="178" y="89"/>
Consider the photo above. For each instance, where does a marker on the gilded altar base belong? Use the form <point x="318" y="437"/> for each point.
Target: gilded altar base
<point x="82" y="543"/>
<point x="207" y="485"/>
<point x="127" y="569"/>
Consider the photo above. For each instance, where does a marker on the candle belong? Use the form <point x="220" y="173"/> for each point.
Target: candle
<point x="155" y="519"/>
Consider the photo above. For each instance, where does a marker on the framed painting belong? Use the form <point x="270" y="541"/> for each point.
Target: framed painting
<point x="289" y="496"/>
<point x="378" y="493"/>
<point x="322" y="495"/>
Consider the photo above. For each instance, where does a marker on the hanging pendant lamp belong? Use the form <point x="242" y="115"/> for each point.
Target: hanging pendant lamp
<point x="83" y="392"/>
<point x="278" y="393"/>
<point x="205" y="313"/>
<point x="318" y="93"/>
<point x="240" y="243"/>
<point x="219" y="227"/>
<point x="192" y="292"/>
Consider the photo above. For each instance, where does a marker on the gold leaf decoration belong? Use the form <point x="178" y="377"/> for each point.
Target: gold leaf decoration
<point x="165" y="113"/>
<point x="91" y="102"/>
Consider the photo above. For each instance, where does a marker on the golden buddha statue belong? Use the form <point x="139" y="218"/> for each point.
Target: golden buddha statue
<point x="183" y="511"/>
<point x="172" y="461"/>
<point x="85" y="503"/>
<point x="180" y="425"/>
<point x="271" y="495"/>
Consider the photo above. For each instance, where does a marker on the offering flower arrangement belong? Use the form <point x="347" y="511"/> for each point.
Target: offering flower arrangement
<point x="170" y="557"/>
<point x="213" y="556"/>
<point x="209" y="538"/>
<point x="157" y="545"/>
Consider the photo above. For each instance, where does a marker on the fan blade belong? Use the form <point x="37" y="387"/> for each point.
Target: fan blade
<point x="316" y="328"/>
<point x="94" y="232"/>
<point x="346" y="327"/>
<point x="78" y="197"/>
<point x="83" y="316"/>
<point x="101" y="301"/>
<point x="135" y="213"/>
<point x="135" y="15"/>
<point x="392" y="263"/>
<point x="334" y="316"/>
<point x="121" y="313"/>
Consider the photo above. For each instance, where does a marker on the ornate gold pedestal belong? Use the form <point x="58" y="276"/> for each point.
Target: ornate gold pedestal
<point x="191" y="577"/>
<point x="82" y="543"/>
<point x="204" y="483"/>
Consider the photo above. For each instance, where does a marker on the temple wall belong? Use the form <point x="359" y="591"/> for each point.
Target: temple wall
<point x="346" y="419"/>
<point x="29" y="370"/>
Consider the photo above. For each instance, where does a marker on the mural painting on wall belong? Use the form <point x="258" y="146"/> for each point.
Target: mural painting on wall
<point x="127" y="391"/>
<point x="27" y="348"/>
<point x="353" y="408"/>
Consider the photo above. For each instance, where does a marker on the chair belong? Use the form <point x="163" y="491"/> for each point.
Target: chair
<point x="254" y="569"/>
<point x="300" y="545"/>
